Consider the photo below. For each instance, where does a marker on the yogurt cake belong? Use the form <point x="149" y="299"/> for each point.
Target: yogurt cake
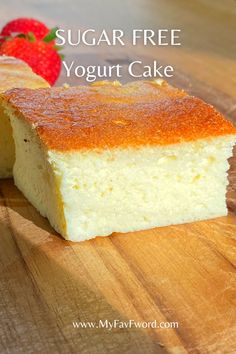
<point x="111" y="158"/>
<point x="13" y="73"/>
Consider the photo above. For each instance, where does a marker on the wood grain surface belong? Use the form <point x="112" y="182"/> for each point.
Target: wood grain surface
<point x="184" y="273"/>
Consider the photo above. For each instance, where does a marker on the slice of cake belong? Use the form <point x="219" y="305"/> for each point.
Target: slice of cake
<point x="13" y="73"/>
<point x="111" y="158"/>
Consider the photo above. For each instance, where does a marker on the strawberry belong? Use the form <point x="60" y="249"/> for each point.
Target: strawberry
<point x="40" y="55"/>
<point x="25" y="25"/>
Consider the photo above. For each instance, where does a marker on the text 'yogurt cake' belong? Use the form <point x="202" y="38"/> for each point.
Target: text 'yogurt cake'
<point x="111" y="158"/>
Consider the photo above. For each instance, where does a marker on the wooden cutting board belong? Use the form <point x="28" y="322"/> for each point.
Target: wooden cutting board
<point x="179" y="274"/>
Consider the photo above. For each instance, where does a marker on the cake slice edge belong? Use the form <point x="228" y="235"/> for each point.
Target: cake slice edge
<point x="85" y="194"/>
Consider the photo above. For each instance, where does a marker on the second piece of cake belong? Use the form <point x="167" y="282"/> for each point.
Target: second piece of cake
<point x="13" y="73"/>
<point x="110" y="158"/>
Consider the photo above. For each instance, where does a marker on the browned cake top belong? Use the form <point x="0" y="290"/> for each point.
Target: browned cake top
<point x="16" y="73"/>
<point x="107" y="115"/>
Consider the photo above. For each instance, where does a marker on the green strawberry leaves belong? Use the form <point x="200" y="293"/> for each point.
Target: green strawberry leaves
<point x="51" y="35"/>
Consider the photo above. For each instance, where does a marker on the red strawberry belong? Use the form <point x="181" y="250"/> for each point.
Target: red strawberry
<point x="25" y="25"/>
<point x="41" y="56"/>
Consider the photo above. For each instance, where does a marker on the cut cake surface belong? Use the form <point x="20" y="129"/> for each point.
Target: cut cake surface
<point x="13" y="73"/>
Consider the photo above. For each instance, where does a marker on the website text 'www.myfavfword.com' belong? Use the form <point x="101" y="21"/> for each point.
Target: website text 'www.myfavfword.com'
<point x="116" y="324"/>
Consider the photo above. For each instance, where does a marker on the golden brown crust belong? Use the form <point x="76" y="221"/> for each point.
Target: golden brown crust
<point x="15" y="73"/>
<point x="108" y="115"/>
